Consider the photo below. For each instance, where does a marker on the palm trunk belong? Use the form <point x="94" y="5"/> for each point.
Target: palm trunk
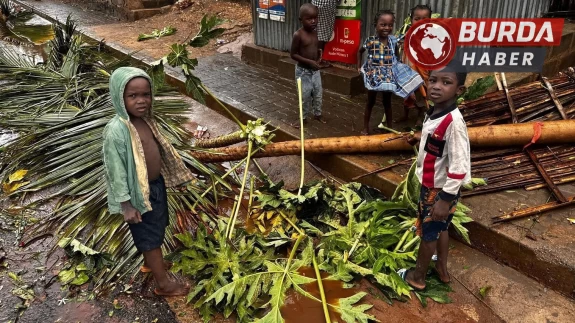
<point x="552" y="132"/>
<point x="221" y="141"/>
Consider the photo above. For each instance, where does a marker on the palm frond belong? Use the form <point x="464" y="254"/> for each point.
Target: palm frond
<point x="59" y="110"/>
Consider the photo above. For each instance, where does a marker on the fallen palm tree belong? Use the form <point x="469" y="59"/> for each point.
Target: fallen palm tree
<point x="553" y="132"/>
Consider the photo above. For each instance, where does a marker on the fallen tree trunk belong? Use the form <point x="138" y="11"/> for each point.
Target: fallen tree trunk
<point x="552" y="132"/>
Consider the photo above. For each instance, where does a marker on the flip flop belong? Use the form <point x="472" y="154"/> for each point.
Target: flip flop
<point x="403" y="274"/>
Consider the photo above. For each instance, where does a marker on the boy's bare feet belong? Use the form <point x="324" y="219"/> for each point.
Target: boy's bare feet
<point x="320" y="119"/>
<point x="411" y="281"/>
<point x="365" y="132"/>
<point x="172" y="289"/>
<point x="443" y="274"/>
<point x="146" y="269"/>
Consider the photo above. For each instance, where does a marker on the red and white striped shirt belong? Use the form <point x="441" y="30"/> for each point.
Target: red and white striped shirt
<point x="444" y="154"/>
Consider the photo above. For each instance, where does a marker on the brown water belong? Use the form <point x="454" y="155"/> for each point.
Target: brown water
<point x="299" y="308"/>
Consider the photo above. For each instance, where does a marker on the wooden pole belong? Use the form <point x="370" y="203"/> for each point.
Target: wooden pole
<point x="495" y="136"/>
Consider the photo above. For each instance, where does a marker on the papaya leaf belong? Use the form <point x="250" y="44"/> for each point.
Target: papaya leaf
<point x="351" y="313"/>
<point x="80" y="279"/>
<point x="66" y="276"/>
<point x="435" y="290"/>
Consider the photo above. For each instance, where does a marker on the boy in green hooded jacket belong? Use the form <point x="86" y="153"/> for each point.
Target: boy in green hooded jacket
<point x="140" y="163"/>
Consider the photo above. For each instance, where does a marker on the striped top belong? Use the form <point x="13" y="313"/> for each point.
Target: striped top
<point x="444" y="154"/>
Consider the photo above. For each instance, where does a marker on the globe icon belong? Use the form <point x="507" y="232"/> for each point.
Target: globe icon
<point x="430" y="45"/>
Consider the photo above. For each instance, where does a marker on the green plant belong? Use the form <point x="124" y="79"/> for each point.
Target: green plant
<point x="156" y="33"/>
<point x="59" y="110"/>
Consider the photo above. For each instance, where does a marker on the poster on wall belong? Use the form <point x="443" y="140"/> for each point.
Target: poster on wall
<point x="349" y="10"/>
<point x="263" y="9"/>
<point x="346" y="37"/>
<point x="277" y="10"/>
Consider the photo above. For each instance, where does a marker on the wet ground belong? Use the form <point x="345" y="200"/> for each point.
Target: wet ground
<point x="513" y="297"/>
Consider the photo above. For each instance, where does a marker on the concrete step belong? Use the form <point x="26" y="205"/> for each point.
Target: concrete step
<point x="339" y="80"/>
<point x="541" y="247"/>
<point x="138" y="14"/>
<point x="512" y="296"/>
<point x="149" y="4"/>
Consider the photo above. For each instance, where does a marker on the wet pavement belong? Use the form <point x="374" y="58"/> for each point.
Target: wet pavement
<point x="258" y="92"/>
<point x="261" y="93"/>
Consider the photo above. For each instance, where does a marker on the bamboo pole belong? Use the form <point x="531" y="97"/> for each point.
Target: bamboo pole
<point x="553" y="96"/>
<point x="533" y="211"/>
<point x="553" y="132"/>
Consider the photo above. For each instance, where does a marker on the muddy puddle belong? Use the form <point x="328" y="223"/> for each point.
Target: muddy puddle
<point x="26" y="34"/>
<point x="298" y="306"/>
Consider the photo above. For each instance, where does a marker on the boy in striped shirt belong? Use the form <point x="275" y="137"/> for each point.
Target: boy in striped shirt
<point x="443" y="165"/>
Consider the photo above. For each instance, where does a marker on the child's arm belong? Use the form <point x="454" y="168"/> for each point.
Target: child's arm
<point x="116" y="175"/>
<point x="294" y="53"/>
<point x="359" y="57"/>
<point x="459" y="164"/>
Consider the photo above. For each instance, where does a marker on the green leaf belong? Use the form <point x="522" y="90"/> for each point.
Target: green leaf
<point x="193" y="88"/>
<point x="80" y="279"/>
<point x="17" y="280"/>
<point x="435" y="290"/>
<point x="351" y="313"/>
<point x="81" y="267"/>
<point x="24" y="293"/>
<point x="66" y="276"/>
<point x="483" y="291"/>
<point x="77" y="246"/>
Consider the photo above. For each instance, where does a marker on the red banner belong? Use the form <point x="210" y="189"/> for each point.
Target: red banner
<point x="345" y="43"/>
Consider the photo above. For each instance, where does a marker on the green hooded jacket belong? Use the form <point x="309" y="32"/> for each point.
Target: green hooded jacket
<point x="124" y="160"/>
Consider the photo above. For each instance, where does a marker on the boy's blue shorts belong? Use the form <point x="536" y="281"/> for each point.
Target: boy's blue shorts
<point x="149" y="234"/>
<point x="428" y="229"/>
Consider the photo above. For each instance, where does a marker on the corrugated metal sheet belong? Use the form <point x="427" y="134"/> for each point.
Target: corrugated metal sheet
<point x="277" y="35"/>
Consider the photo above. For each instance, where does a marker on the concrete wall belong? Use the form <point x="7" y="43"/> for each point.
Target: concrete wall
<point x="116" y="8"/>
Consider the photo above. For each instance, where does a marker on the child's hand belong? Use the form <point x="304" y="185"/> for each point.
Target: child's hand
<point x="414" y="138"/>
<point x="316" y="65"/>
<point x="439" y="211"/>
<point x="131" y="215"/>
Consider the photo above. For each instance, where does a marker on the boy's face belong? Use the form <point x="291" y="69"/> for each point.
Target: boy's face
<point x="138" y="97"/>
<point x="419" y="14"/>
<point x="443" y="87"/>
<point x="309" y="19"/>
<point x="384" y="25"/>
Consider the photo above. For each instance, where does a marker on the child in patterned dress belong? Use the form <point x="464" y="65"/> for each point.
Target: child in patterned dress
<point x="382" y="71"/>
<point x="417" y="13"/>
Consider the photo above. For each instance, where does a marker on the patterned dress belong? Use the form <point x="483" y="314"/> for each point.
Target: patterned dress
<point x="382" y="71"/>
<point x="327" y="11"/>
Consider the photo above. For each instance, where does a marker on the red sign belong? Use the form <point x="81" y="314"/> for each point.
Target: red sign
<point x="345" y="43"/>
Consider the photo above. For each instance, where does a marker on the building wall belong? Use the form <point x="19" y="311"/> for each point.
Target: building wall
<point x="277" y="35"/>
<point x="117" y="8"/>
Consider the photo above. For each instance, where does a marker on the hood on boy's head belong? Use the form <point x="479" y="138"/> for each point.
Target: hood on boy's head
<point x="118" y="81"/>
